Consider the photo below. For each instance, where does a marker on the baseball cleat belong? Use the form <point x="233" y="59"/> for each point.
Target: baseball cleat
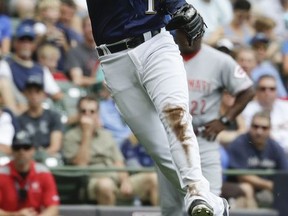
<point x="226" y="207"/>
<point x="200" y="207"/>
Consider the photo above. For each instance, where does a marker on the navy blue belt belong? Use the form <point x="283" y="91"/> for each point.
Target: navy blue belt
<point x="125" y="44"/>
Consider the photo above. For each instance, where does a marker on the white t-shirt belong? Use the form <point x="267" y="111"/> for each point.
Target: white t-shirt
<point x="216" y="13"/>
<point x="6" y="129"/>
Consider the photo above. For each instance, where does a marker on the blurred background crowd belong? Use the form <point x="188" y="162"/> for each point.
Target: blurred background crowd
<point x="51" y="87"/>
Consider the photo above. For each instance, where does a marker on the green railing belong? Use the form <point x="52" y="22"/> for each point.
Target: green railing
<point x="88" y="170"/>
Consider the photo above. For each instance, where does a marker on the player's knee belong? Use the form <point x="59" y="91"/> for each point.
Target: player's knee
<point x="177" y="120"/>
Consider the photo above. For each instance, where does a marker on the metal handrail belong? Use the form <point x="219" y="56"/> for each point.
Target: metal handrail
<point x="88" y="170"/>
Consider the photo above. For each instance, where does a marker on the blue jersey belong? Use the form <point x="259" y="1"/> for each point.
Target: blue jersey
<point x="243" y="155"/>
<point x="114" y="20"/>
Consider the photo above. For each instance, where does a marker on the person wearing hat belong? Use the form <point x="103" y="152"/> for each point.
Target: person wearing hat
<point x="43" y="125"/>
<point x="27" y="188"/>
<point x="20" y="66"/>
<point x="260" y="43"/>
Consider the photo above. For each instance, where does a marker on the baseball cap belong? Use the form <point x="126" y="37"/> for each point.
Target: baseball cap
<point x="21" y="138"/>
<point x="34" y="81"/>
<point x="259" y="38"/>
<point x="225" y="43"/>
<point x="25" y="30"/>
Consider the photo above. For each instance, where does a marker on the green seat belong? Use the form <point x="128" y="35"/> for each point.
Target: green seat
<point x="71" y="187"/>
<point x="72" y="93"/>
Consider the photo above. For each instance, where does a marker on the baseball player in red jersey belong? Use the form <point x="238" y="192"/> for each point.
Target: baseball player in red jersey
<point x="209" y="73"/>
<point x="144" y="71"/>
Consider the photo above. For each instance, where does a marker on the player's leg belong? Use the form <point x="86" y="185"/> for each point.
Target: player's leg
<point x="164" y="78"/>
<point x="142" y="117"/>
<point x="140" y="114"/>
<point x="211" y="164"/>
<point x="138" y="111"/>
<point x="171" y="199"/>
<point x="171" y="202"/>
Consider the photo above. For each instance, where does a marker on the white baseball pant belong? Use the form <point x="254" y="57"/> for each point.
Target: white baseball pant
<point x="149" y="86"/>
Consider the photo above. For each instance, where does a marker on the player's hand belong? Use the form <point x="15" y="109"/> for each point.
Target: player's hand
<point x="212" y="129"/>
<point x="27" y="212"/>
<point x="126" y="188"/>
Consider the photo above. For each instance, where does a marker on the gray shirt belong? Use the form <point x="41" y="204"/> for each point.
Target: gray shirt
<point x="209" y="72"/>
<point x="40" y="128"/>
<point x="82" y="57"/>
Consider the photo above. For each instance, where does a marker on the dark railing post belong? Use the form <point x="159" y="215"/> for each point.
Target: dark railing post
<point x="281" y="193"/>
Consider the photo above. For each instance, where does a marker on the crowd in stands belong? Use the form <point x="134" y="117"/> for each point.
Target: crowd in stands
<point x="52" y="87"/>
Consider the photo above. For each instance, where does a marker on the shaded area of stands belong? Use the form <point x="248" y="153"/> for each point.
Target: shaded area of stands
<point x="90" y="210"/>
<point x="72" y="182"/>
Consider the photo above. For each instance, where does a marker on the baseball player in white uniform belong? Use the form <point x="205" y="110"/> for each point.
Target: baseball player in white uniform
<point x="209" y="72"/>
<point x="146" y="77"/>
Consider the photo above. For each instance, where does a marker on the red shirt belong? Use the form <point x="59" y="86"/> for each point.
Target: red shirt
<point x="39" y="184"/>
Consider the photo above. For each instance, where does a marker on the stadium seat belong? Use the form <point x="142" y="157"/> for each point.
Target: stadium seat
<point x="71" y="187"/>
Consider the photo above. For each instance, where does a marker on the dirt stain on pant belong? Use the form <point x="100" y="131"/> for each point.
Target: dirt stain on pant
<point x="175" y="116"/>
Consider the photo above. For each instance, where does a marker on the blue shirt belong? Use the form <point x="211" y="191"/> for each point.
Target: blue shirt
<point x="135" y="155"/>
<point x="21" y="73"/>
<point x="5" y="27"/>
<point x="284" y="48"/>
<point x="113" y="122"/>
<point x="243" y="155"/>
<point x="114" y="20"/>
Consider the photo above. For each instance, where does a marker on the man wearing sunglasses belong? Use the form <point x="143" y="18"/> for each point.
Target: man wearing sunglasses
<point x="89" y="144"/>
<point x="257" y="150"/>
<point x="266" y="99"/>
<point x="19" y="66"/>
<point x="26" y="188"/>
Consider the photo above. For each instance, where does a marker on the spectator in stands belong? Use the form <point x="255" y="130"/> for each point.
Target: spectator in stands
<point x="134" y="153"/>
<point x="256" y="150"/>
<point x="48" y="55"/>
<point x="265" y="25"/>
<point x="110" y="116"/>
<point x="70" y="19"/>
<point x="88" y="144"/>
<point x="44" y="126"/>
<point x="8" y="126"/>
<point x="22" y="10"/>
<point x="216" y="13"/>
<point x="259" y="44"/>
<point x="7" y="94"/>
<point x="266" y="99"/>
<point x="26" y="188"/>
<point x="5" y="29"/>
<point x="284" y="66"/>
<point x="246" y="58"/>
<point x="239" y="30"/>
<point x="47" y="16"/>
<point x="277" y="9"/>
<point x="81" y="7"/>
<point x="20" y="66"/>
<point x="81" y="63"/>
